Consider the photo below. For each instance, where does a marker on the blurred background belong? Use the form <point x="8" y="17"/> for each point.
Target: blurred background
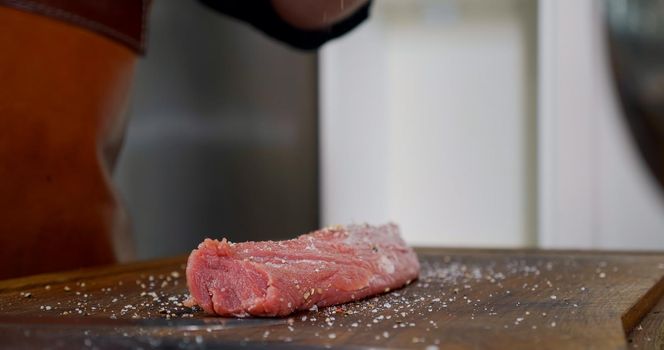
<point x="469" y="123"/>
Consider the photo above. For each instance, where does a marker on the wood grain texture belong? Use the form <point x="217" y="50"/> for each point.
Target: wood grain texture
<point x="464" y="299"/>
<point x="649" y="333"/>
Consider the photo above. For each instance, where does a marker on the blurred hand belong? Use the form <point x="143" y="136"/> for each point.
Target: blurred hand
<point x="315" y="14"/>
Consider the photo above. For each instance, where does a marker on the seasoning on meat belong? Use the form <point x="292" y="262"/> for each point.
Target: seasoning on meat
<point x="331" y="266"/>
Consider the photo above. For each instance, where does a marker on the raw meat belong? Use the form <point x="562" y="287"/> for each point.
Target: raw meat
<point x="331" y="266"/>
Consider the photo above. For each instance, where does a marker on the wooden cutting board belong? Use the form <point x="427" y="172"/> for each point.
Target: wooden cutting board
<point x="503" y="299"/>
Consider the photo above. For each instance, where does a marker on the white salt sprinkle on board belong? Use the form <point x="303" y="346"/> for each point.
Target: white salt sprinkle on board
<point x="495" y="295"/>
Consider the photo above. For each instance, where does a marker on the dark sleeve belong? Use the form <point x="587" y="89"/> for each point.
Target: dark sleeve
<point x="261" y="15"/>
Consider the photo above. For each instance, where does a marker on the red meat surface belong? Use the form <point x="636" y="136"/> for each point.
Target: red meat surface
<point x="275" y="278"/>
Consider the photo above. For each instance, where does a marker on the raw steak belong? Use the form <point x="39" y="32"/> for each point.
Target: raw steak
<point x="326" y="267"/>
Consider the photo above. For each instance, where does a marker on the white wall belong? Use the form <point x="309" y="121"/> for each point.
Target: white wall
<point x="486" y="124"/>
<point x="427" y="120"/>
<point x="594" y="189"/>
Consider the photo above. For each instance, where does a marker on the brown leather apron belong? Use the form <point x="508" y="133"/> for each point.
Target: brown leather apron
<point x="65" y="72"/>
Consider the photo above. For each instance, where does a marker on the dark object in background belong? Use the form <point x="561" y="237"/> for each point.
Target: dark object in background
<point x="636" y="44"/>
<point x="223" y="138"/>
<point x="124" y="21"/>
<point x="262" y="15"/>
